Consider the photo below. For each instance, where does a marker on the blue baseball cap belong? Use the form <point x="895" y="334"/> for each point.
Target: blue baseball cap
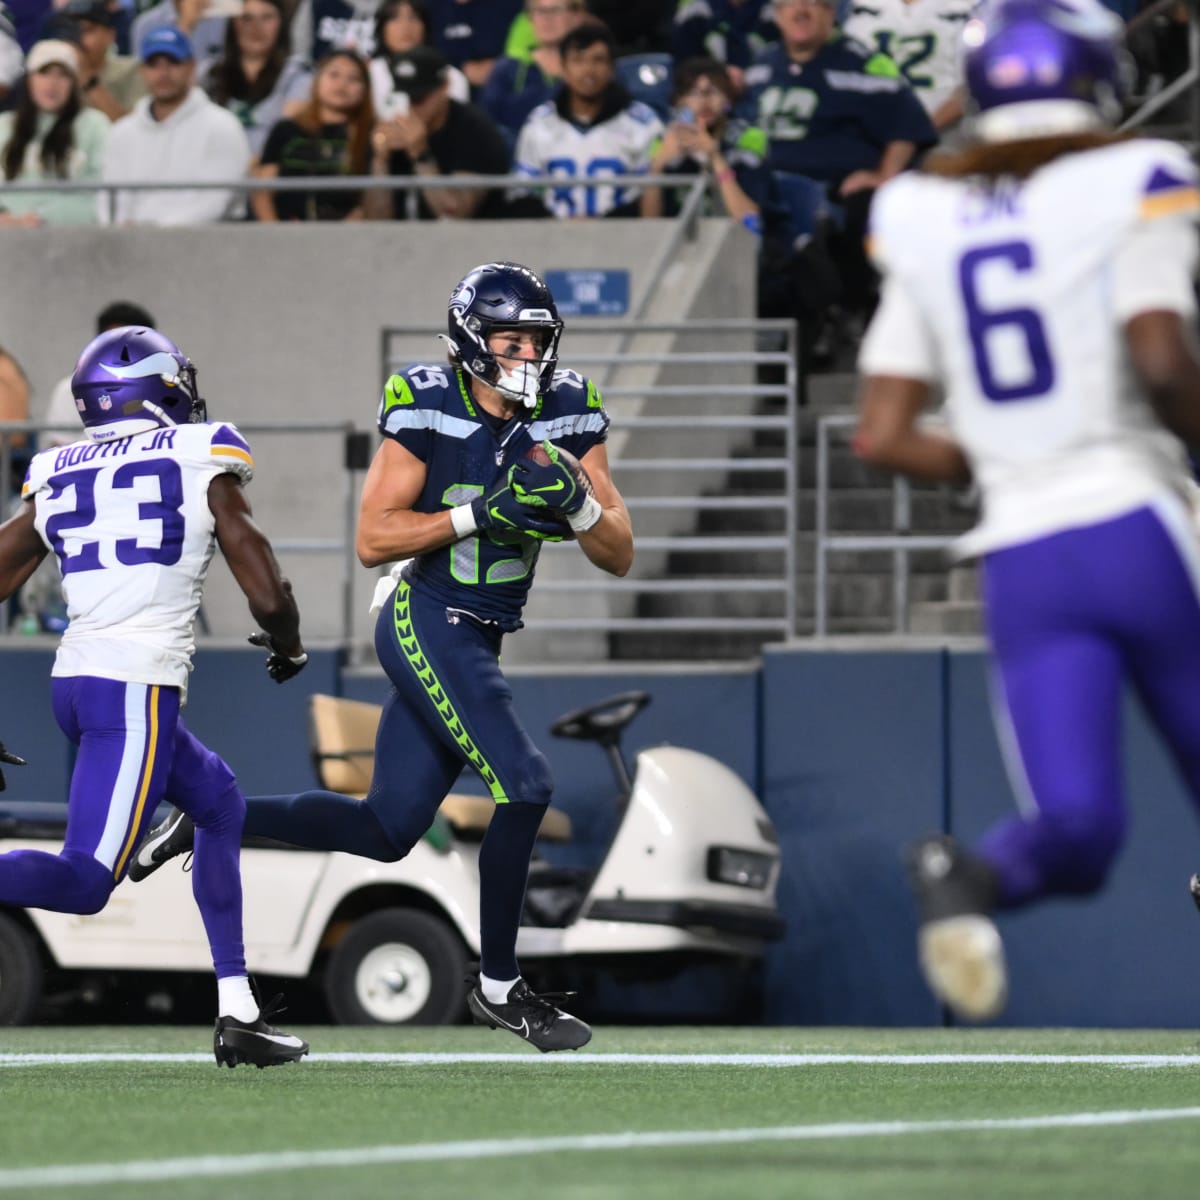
<point x="172" y="42"/>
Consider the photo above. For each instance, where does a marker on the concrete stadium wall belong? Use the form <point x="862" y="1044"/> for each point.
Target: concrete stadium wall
<point x="854" y="754"/>
<point x="284" y="325"/>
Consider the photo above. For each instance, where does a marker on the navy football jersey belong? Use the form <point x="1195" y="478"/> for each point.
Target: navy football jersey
<point x="835" y="113"/>
<point x="732" y="31"/>
<point x="428" y="409"/>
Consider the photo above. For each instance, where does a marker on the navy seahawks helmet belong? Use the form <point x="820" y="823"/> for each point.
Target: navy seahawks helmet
<point x="132" y="379"/>
<point x="1040" y="68"/>
<point x="499" y="296"/>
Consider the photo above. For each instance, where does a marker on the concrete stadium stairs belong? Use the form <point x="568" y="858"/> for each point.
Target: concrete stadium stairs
<point x="860" y="584"/>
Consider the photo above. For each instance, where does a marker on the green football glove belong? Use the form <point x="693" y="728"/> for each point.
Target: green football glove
<point x="503" y="518"/>
<point x="561" y="483"/>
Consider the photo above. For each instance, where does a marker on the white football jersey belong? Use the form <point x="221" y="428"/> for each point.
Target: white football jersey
<point x="924" y="38"/>
<point x="551" y="145"/>
<point x="130" y="524"/>
<point x="1013" y="299"/>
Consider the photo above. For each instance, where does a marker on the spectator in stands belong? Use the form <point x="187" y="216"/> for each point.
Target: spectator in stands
<point x="839" y="115"/>
<point x="174" y="133"/>
<point x="731" y="31"/>
<point x="924" y="39"/>
<point x="206" y="33"/>
<point x="437" y="136"/>
<point x="592" y="127"/>
<point x="110" y="82"/>
<point x="51" y="135"/>
<point x="321" y="26"/>
<point x="704" y="138"/>
<point x="28" y="18"/>
<point x="330" y="135"/>
<point x="399" y="26"/>
<point x="60" y="408"/>
<point x="257" y="75"/>
<point x="471" y="34"/>
<point x="518" y="84"/>
<point x="12" y="57"/>
<point x="641" y="28"/>
<point x="1159" y="45"/>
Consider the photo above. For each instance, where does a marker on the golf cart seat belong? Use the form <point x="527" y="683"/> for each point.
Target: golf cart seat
<point x="342" y="737"/>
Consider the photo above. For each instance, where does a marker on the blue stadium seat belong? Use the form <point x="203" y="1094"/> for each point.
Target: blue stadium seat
<point x="647" y="77"/>
<point x="801" y="204"/>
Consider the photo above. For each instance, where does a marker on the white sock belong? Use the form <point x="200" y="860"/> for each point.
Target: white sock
<point x="235" y="999"/>
<point x="495" y="990"/>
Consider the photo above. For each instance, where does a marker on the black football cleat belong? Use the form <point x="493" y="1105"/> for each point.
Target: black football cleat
<point x="167" y="840"/>
<point x="258" y="1043"/>
<point x="536" y="1018"/>
<point x="961" y="954"/>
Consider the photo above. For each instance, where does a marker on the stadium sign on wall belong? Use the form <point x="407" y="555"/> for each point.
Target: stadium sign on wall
<point x="587" y="293"/>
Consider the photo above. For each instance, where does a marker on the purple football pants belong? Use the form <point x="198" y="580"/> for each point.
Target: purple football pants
<point x="1071" y="618"/>
<point x="134" y="751"/>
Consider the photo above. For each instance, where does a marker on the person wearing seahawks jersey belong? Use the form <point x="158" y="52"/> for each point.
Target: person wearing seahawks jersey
<point x="133" y="512"/>
<point x="452" y="491"/>
<point x="840" y="117"/>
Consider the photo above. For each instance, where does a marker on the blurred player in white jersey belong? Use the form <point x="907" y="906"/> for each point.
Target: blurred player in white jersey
<point x="133" y="513"/>
<point x="924" y="38"/>
<point x="1043" y="278"/>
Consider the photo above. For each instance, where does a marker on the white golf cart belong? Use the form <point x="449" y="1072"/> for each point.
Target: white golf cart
<point x="690" y="873"/>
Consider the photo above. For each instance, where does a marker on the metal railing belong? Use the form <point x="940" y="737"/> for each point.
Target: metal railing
<point x="1189" y="80"/>
<point x="681" y="429"/>
<point x="901" y="543"/>
<point x="697" y="185"/>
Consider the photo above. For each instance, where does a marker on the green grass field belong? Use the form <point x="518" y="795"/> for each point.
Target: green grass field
<point x="646" y="1113"/>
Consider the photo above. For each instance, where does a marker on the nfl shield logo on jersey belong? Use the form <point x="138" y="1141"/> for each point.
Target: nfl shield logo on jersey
<point x="105" y="402"/>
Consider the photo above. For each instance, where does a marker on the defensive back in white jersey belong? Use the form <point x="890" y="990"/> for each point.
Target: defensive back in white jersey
<point x="130" y="524"/>
<point x="1013" y="298"/>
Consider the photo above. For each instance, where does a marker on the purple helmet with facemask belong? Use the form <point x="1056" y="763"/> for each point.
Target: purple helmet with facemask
<point x="1043" y="68"/>
<point x="132" y="379"/>
<point x="500" y="296"/>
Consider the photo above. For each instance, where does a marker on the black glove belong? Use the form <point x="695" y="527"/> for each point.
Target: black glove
<point x="502" y="517"/>
<point x="561" y="484"/>
<point x="280" y="667"/>
<point x="12" y="760"/>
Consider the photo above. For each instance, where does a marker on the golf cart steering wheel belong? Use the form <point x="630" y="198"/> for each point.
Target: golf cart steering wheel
<point x="602" y="721"/>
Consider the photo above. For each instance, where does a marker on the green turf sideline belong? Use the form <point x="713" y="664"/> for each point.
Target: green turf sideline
<point x="92" y="1174"/>
<point x="434" y="1058"/>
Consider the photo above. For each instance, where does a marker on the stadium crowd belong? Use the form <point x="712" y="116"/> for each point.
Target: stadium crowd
<point x="797" y="110"/>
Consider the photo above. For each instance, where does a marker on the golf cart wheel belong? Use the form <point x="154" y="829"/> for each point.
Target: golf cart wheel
<point x="20" y="973"/>
<point x="398" y="966"/>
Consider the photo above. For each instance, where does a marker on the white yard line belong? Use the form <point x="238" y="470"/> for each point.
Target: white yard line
<point x="162" y="1170"/>
<point x="668" y="1060"/>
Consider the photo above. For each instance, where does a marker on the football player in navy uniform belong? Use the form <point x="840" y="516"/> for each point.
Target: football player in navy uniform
<point x="133" y="513"/>
<point x="453" y="489"/>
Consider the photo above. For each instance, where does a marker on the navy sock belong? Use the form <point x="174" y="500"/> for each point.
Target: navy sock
<point x="320" y="821"/>
<point x="503" y="873"/>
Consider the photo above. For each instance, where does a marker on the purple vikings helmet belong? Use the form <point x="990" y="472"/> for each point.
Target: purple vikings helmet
<point x="1043" y="68"/>
<point x="503" y="296"/>
<point x="132" y="379"/>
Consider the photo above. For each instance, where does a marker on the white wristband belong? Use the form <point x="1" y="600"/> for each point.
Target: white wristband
<point x="587" y="515"/>
<point x="462" y="517"/>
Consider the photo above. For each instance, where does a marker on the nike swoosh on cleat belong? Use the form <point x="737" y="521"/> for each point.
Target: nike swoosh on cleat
<point x="280" y="1039"/>
<point x="522" y="1029"/>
